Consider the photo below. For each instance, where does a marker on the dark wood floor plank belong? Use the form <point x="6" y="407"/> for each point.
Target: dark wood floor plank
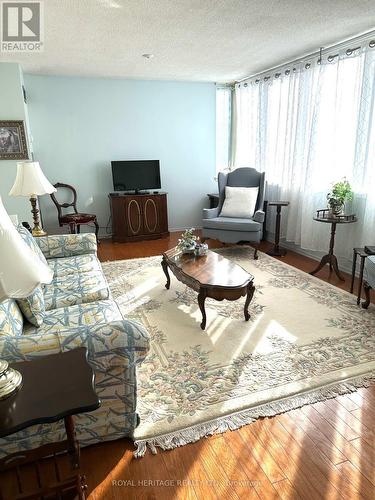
<point x="345" y="423"/>
<point x="326" y="474"/>
<point x="180" y="473"/>
<point x="191" y="456"/>
<point x="350" y="474"/>
<point x="360" y="459"/>
<point x="262" y="454"/>
<point x="350" y="419"/>
<point x="304" y="474"/>
<point x="347" y="403"/>
<point x="286" y="490"/>
<point x="250" y="465"/>
<point x="234" y="471"/>
<point x="216" y="473"/>
<point x="306" y="427"/>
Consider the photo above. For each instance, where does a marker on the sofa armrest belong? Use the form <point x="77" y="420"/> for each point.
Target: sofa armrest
<point x="67" y="245"/>
<point x="259" y="216"/>
<point x="120" y="343"/>
<point x="210" y="213"/>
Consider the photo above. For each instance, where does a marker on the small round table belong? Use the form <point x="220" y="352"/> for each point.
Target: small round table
<point x="330" y="258"/>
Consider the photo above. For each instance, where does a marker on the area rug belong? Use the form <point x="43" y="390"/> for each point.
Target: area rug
<point x="306" y="341"/>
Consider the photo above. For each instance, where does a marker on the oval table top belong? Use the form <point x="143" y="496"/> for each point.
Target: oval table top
<point x="211" y="269"/>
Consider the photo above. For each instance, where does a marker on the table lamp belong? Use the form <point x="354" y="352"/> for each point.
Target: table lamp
<point x="31" y="182"/>
<point x="21" y="271"/>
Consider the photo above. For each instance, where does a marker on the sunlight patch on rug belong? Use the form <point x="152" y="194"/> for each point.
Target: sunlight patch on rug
<point x="306" y="341"/>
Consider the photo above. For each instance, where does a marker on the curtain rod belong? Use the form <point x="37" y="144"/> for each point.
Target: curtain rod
<point x="320" y="52"/>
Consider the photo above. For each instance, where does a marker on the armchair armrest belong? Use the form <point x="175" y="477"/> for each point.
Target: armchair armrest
<point x="67" y="245"/>
<point x="120" y="343"/>
<point x="210" y="213"/>
<point x="259" y="216"/>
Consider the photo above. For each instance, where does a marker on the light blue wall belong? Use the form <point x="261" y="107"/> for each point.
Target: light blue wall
<point x="80" y="124"/>
<point x="12" y="107"/>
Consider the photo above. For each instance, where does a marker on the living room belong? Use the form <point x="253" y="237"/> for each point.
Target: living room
<point x="187" y="249"/>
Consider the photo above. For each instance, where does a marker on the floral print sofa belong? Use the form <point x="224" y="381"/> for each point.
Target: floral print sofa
<point x="74" y="310"/>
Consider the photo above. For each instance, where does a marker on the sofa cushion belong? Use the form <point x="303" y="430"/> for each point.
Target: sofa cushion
<point x="78" y="288"/>
<point x="65" y="318"/>
<point x="11" y="319"/>
<point x="370" y="270"/>
<point x="232" y="224"/>
<point x="70" y="265"/>
<point x="28" y="238"/>
<point x="33" y="307"/>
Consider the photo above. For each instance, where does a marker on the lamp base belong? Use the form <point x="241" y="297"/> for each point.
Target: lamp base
<point x="10" y="380"/>
<point x="37" y="229"/>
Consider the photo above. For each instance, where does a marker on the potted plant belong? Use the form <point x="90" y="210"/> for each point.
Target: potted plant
<point x="341" y="192"/>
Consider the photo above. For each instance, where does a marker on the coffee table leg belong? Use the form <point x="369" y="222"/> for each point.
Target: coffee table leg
<point x="249" y="296"/>
<point x="164" y="265"/>
<point x="201" y="298"/>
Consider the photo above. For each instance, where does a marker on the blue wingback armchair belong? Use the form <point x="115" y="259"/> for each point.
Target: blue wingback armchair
<point x="231" y="229"/>
<point x="369" y="279"/>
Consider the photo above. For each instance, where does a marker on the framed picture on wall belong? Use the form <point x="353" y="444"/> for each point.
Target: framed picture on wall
<point x="13" y="145"/>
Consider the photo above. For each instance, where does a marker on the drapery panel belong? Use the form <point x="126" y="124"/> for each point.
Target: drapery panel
<point x="307" y="128"/>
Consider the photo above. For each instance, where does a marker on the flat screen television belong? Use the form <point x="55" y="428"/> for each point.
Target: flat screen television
<point x="136" y="175"/>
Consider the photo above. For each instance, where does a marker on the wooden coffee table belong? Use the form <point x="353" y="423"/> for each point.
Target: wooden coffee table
<point x="210" y="275"/>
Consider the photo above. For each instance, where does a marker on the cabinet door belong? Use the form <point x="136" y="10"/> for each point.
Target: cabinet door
<point x="151" y="217"/>
<point x="133" y="216"/>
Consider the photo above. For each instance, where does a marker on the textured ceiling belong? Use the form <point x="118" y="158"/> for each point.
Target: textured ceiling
<point x="199" y="40"/>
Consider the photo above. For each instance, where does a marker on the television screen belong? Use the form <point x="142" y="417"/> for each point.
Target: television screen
<point x="135" y="175"/>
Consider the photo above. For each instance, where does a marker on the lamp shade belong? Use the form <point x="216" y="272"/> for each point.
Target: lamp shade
<point x="30" y="180"/>
<point x="21" y="270"/>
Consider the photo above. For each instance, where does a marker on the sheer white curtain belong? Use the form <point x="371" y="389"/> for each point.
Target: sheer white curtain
<point x="223" y="127"/>
<point x="308" y="127"/>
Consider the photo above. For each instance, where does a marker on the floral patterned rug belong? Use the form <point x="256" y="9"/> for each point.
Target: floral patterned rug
<point x="306" y="341"/>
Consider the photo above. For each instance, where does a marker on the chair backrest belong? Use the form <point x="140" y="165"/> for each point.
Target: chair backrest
<point x="242" y="177"/>
<point x="59" y="205"/>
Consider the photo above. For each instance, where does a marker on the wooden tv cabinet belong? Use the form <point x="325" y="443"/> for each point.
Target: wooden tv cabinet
<point x="137" y="217"/>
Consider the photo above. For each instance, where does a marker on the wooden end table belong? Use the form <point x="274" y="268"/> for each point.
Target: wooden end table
<point x="276" y="251"/>
<point x="330" y="258"/>
<point x="54" y="387"/>
<point x="210" y="275"/>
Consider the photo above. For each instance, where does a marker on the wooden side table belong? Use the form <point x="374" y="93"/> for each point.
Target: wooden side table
<point x="55" y="387"/>
<point x="214" y="199"/>
<point x="330" y="258"/>
<point x="363" y="255"/>
<point x="276" y="251"/>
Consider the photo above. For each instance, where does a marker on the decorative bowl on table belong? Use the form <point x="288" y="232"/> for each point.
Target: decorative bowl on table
<point x="201" y="249"/>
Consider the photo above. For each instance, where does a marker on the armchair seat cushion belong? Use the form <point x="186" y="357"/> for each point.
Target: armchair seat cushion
<point x="370" y="270"/>
<point x="232" y="224"/>
<point x="78" y="288"/>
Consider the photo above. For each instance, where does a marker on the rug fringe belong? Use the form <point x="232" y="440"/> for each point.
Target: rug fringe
<point x="244" y="417"/>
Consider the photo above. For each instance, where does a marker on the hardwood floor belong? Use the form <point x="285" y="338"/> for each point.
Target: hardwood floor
<point x="325" y="450"/>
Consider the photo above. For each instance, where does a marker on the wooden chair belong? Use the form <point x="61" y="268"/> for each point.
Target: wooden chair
<point x="75" y="219"/>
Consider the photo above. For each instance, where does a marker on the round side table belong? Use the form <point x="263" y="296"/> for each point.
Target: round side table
<point x="276" y="250"/>
<point x="330" y="258"/>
